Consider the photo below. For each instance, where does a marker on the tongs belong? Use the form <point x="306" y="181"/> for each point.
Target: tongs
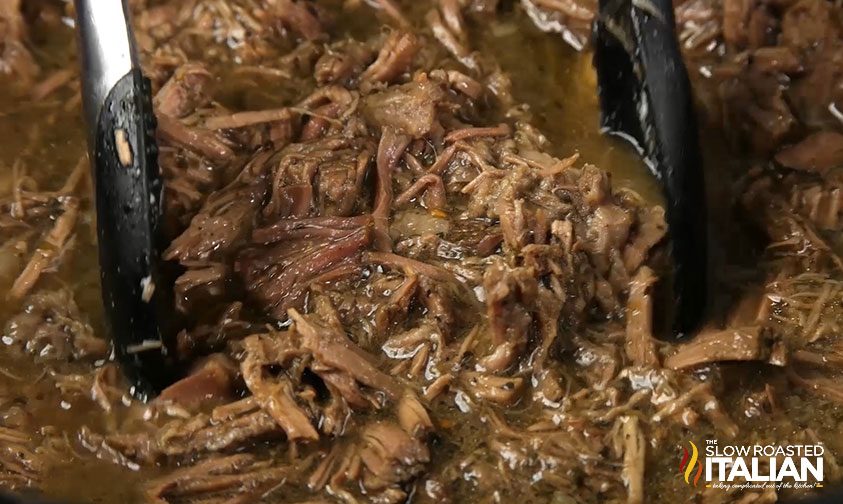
<point x="645" y="97"/>
<point x="127" y="185"/>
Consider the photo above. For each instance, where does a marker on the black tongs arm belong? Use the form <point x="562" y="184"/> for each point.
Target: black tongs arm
<point x="645" y="96"/>
<point x="127" y="184"/>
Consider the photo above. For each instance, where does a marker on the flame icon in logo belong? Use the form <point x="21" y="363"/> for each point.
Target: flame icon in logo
<point x="689" y="461"/>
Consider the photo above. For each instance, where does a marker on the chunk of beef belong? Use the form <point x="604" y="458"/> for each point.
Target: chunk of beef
<point x="732" y="344"/>
<point x="755" y="106"/>
<point x="325" y="175"/>
<point x="441" y="300"/>
<point x="736" y="18"/>
<point x="448" y="30"/>
<point x="410" y="266"/>
<point x="501" y="130"/>
<point x="52" y="328"/>
<point x="826" y="360"/>
<point x="784" y="226"/>
<point x="230" y="426"/>
<point x="301" y="16"/>
<point x="410" y="108"/>
<point x="777" y="59"/>
<point x="15" y="58"/>
<point x="224" y="222"/>
<point x="828" y="388"/>
<point x="752" y="309"/>
<point x="571" y="18"/>
<point x="332" y="350"/>
<point x="510" y="294"/>
<point x="200" y="284"/>
<point x="392" y="11"/>
<point x="396" y="309"/>
<point x="237" y="478"/>
<point x="594" y="187"/>
<point x="515" y="225"/>
<point x="460" y="82"/>
<point x="607" y="231"/>
<point x="20" y="466"/>
<point x="340" y="185"/>
<point x="817" y="96"/>
<point x="342" y="63"/>
<point x="476" y="236"/>
<point x="501" y="390"/>
<point x="263" y="127"/>
<point x="275" y="394"/>
<point x="600" y="362"/>
<point x="309" y="228"/>
<point x="820" y="203"/>
<point x="634" y="458"/>
<point x="278" y="278"/>
<point x="394" y="58"/>
<point x="390" y="455"/>
<point x="186" y="91"/>
<point x="412" y="416"/>
<point x="818" y="153"/>
<point x="199" y="140"/>
<point x="210" y="381"/>
<point x="229" y="325"/>
<point x="640" y="343"/>
<point x="291" y="201"/>
<point x="451" y="11"/>
<point x="65" y="224"/>
<point x="390" y="149"/>
<point x="48" y="256"/>
<point x="432" y="191"/>
<point x="650" y="230"/>
<point x="807" y="23"/>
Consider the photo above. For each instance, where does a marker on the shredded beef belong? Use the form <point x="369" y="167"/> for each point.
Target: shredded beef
<point x="390" y="285"/>
<point x="818" y="153"/>
<point x="51" y="328"/>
